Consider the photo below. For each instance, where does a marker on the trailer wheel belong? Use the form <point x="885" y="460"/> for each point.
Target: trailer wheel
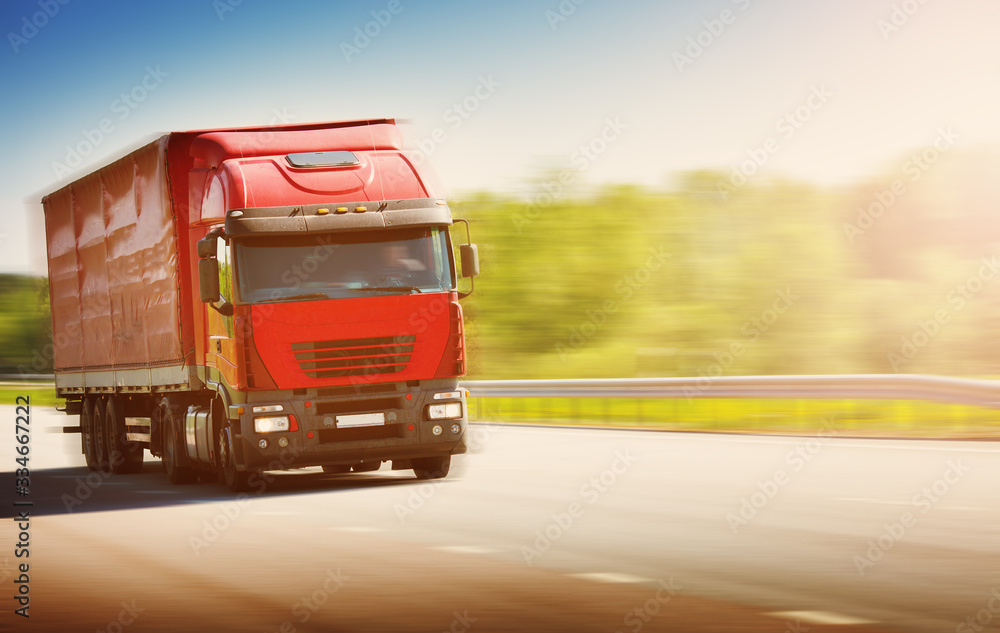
<point x="235" y="479"/>
<point x="176" y="473"/>
<point x="100" y="437"/>
<point x="432" y="467"/>
<point x="125" y="456"/>
<point x="87" y="443"/>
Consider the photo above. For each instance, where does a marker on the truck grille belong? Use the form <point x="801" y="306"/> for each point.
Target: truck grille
<point x="354" y="357"/>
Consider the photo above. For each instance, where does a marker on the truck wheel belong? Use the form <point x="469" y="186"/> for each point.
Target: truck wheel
<point x="87" y="444"/>
<point x="235" y="479"/>
<point x="176" y="473"/>
<point x="125" y="456"/>
<point x="432" y="467"/>
<point x="338" y="469"/>
<point x="100" y="437"/>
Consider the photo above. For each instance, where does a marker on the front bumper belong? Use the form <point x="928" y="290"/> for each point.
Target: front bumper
<point x="322" y="437"/>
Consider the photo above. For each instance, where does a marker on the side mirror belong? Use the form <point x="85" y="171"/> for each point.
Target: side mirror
<point x="206" y="248"/>
<point x="206" y="245"/>
<point x="208" y="278"/>
<point x="470" y="260"/>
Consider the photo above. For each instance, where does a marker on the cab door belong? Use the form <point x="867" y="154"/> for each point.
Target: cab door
<point x="221" y="351"/>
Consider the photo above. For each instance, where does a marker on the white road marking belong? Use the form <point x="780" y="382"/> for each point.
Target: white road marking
<point x="465" y="549"/>
<point x="881" y="501"/>
<point x="358" y="529"/>
<point x="819" y="617"/>
<point x="905" y="503"/>
<point x="613" y="578"/>
<point x="956" y="445"/>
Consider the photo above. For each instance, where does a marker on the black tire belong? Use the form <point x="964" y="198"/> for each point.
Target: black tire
<point x="366" y="467"/>
<point x="87" y="443"/>
<point x="100" y="435"/>
<point x="236" y="480"/>
<point x="432" y="467"/>
<point x="125" y="456"/>
<point x="338" y="469"/>
<point x="172" y="447"/>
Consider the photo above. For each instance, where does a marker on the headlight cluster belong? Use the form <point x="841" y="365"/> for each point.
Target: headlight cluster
<point x="271" y="424"/>
<point x="445" y="411"/>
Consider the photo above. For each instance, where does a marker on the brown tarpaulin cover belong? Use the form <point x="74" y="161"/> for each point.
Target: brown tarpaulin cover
<point x="113" y="266"/>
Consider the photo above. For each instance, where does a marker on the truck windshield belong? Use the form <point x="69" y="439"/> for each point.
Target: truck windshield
<point x="340" y="265"/>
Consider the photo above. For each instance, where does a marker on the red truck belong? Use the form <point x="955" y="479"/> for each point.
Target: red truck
<point x="244" y="300"/>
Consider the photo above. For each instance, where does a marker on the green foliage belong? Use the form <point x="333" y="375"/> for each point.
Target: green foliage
<point x="25" y="325"/>
<point x="764" y="281"/>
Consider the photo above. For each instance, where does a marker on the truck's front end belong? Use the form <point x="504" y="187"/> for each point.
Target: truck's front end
<point x="333" y="331"/>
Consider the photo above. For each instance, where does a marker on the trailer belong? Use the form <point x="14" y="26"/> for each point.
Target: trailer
<point x="243" y="300"/>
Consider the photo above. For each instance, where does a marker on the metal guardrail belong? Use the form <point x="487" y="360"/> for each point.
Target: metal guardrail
<point x="833" y="387"/>
<point x="848" y="386"/>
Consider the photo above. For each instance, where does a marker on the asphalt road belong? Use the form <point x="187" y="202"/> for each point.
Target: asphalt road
<point x="538" y="530"/>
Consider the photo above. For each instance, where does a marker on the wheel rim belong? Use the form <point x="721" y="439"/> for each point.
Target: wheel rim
<point x="225" y="455"/>
<point x="97" y="424"/>
<point x="87" y="429"/>
<point x="170" y="450"/>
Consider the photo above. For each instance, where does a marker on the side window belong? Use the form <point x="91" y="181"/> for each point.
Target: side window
<point x="224" y="255"/>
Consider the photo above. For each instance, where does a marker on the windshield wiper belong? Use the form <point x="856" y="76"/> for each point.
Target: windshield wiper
<point x="409" y="289"/>
<point x="312" y="295"/>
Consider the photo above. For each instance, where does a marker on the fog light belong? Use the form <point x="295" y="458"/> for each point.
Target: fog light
<point x="282" y="442"/>
<point x="262" y="443"/>
<point x="456" y="428"/>
<point x="436" y="430"/>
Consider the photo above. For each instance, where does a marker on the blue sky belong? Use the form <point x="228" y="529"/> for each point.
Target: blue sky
<point x="554" y="84"/>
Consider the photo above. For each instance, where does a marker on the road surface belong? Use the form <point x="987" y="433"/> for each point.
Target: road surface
<point x="538" y="529"/>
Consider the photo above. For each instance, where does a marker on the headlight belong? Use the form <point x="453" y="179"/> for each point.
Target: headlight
<point x="448" y="395"/>
<point x="446" y="411"/>
<point x="271" y="425"/>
